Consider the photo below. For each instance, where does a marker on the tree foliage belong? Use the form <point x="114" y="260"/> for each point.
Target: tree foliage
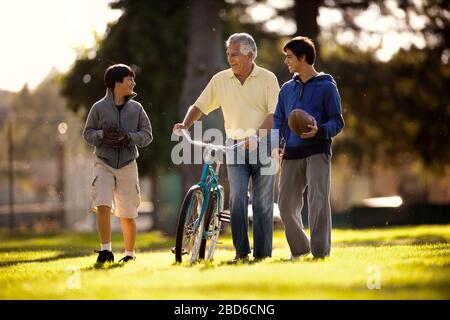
<point x="391" y="108"/>
<point x="151" y="37"/>
<point x="394" y="110"/>
<point x="35" y="116"/>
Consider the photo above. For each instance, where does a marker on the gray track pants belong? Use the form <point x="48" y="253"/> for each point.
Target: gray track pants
<point x="314" y="172"/>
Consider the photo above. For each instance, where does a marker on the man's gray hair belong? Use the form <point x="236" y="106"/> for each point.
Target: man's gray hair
<point x="246" y="43"/>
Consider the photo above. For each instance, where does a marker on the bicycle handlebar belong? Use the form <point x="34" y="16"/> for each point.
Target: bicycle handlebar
<point x="187" y="136"/>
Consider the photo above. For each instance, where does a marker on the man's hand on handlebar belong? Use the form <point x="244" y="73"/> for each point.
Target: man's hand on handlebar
<point x="251" y="143"/>
<point x="177" y="128"/>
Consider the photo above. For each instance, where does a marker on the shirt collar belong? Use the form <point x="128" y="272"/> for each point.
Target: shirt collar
<point x="255" y="72"/>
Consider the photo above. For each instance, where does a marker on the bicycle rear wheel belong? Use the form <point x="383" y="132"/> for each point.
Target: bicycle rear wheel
<point x="188" y="236"/>
<point x="212" y="224"/>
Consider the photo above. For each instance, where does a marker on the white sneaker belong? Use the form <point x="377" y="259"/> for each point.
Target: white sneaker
<point x="293" y="258"/>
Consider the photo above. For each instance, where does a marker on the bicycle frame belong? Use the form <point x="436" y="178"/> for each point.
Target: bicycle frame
<point x="209" y="182"/>
<point x="209" y="186"/>
<point x="210" y="177"/>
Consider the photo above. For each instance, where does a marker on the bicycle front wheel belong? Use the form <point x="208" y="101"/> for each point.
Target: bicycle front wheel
<point x="189" y="231"/>
<point x="212" y="224"/>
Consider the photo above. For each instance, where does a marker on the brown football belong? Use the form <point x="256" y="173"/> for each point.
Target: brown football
<point x="299" y="120"/>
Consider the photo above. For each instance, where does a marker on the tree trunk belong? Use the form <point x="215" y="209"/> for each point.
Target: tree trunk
<point x="306" y="13"/>
<point x="204" y="59"/>
<point x="155" y="196"/>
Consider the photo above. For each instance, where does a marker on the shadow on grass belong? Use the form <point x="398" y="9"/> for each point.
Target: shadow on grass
<point x="104" y="266"/>
<point x="74" y="245"/>
<point x="64" y="255"/>
<point x="302" y="259"/>
<point x="84" y="240"/>
<point x="71" y="245"/>
<point x="95" y="266"/>
<point x="209" y="265"/>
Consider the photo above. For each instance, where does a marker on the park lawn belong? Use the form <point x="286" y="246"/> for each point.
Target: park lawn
<point x="388" y="263"/>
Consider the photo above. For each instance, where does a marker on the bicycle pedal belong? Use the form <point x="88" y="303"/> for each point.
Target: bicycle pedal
<point x="225" y="217"/>
<point x="183" y="251"/>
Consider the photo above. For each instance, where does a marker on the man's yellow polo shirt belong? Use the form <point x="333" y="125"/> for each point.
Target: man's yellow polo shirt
<point x="244" y="106"/>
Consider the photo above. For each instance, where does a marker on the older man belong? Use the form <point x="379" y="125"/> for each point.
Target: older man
<point x="247" y="95"/>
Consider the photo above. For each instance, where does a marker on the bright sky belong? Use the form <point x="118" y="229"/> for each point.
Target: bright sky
<point x="38" y="35"/>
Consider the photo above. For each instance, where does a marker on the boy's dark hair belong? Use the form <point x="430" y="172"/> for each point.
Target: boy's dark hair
<point x="302" y="46"/>
<point x="116" y="73"/>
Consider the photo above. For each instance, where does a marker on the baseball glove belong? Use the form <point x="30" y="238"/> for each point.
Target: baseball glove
<point x="115" y="137"/>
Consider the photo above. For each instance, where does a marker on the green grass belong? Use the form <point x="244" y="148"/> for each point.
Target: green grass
<point x="413" y="263"/>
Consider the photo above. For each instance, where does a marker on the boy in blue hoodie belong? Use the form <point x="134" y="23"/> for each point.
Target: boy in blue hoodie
<point x="306" y="159"/>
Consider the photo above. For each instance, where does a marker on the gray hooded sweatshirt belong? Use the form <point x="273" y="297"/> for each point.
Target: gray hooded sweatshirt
<point x="132" y="119"/>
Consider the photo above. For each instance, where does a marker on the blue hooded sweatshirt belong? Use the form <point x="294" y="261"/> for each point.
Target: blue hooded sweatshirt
<point x="319" y="97"/>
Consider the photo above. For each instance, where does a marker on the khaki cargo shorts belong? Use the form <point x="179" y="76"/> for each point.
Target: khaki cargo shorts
<point x="116" y="188"/>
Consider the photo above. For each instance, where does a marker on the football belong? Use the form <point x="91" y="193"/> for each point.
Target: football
<point x="299" y="120"/>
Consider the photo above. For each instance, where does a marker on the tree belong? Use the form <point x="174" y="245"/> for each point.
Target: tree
<point x="375" y="92"/>
<point x="204" y="58"/>
<point x="427" y="19"/>
<point x="151" y="37"/>
<point x="36" y="140"/>
<point x="394" y="109"/>
<point x="36" y="115"/>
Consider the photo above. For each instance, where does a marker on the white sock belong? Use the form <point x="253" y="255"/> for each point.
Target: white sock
<point x="130" y="253"/>
<point x="106" y="246"/>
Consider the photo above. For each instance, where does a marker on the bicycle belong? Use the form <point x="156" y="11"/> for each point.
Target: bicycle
<point x="201" y="214"/>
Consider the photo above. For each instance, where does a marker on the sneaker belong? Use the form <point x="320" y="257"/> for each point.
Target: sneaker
<point x="104" y="256"/>
<point x="183" y="251"/>
<point x="240" y="257"/>
<point x="297" y="257"/>
<point x="259" y="259"/>
<point x="126" y="259"/>
<point x="321" y="257"/>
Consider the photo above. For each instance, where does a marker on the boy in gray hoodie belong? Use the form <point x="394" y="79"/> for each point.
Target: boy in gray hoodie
<point x="116" y="126"/>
